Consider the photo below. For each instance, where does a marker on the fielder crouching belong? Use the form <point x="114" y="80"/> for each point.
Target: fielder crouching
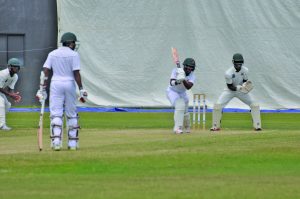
<point x="182" y="79"/>
<point x="238" y="86"/>
<point x="8" y="79"/>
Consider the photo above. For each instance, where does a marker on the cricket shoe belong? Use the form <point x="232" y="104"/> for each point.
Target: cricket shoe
<point x="74" y="148"/>
<point x="73" y="145"/>
<point x="178" y="131"/>
<point x="56" y="146"/>
<point x="257" y="129"/>
<point x="5" y="128"/>
<point x="215" y="129"/>
<point x="187" y="129"/>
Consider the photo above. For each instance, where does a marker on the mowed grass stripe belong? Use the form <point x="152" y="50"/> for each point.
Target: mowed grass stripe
<point x="139" y="162"/>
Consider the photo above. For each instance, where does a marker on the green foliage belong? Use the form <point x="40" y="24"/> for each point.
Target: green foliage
<point x="135" y="155"/>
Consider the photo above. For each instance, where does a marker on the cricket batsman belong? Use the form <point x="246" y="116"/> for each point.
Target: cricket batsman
<point x="238" y="86"/>
<point x="8" y="79"/>
<point x="64" y="63"/>
<point x="182" y="79"/>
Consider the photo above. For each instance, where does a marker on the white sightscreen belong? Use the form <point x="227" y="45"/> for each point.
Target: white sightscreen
<point x="126" y="47"/>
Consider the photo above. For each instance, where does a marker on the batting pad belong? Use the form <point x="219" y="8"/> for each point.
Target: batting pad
<point x="187" y="122"/>
<point x="179" y="113"/>
<point x="217" y="115"/>
<point x="255" y="113"/>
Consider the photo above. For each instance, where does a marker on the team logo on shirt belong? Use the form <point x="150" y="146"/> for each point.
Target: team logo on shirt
<point x="233" y="75"/>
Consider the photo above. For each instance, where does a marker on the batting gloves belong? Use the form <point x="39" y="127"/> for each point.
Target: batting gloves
<point x="41" y="95"/>
<point x="83" y="95"/>
<point x="180" y="75"/>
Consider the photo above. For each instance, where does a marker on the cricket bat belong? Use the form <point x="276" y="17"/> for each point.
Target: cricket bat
<point x="175" y="57"/>
<point x="40" y="129"/>
<point x="43" y="79"/>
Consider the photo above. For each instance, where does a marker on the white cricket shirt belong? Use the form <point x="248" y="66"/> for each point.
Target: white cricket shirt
<point x="63" y="61"/>
<point x="6" y="80"/>
<point x="180" y="88"/>
<point x="236" y="78"/>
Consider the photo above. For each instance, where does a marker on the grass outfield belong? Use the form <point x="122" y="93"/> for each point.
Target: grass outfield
<point x="135" y="156"/>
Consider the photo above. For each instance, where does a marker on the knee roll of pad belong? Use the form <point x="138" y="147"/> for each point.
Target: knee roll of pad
<point x="217" y="107"/>
<point x="186" y="121"/>
<point x="254" y="106"/>
<point x="56" y="128"/>
<point x="217" y="115"/>
<point x="180" y="105"/>
<point x="179" y="113"/>
<point x="255" y="113"/>
<point x="73" y="128"/>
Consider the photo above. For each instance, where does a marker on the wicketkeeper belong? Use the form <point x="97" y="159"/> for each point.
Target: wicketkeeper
<point x="182" y="79"/>
<point x="238" y="86"/>
<point x="8" y="79"/>
<point x="65" y="65"/>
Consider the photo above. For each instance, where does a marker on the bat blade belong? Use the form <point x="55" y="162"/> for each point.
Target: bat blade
<point x="175" y="57"/>
<point x="40" y="129"/>
<point x="40" y="137"/>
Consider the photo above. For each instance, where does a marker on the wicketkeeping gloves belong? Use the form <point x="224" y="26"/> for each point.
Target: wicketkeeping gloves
<point x="245" y="88"/>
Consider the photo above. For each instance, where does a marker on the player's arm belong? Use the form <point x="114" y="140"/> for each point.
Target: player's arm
<point x="232" y="87"/>
<point x="77" y="77"/>
<point x="83" y="93"/>
<point x="174" y="82"/>
<point x="14" y="95"/>
<point x="4" y="91"/>
<point x="46" y="79"/>
<point x="245" y="75"/>
<point x="174" y="78"/>
<point x="187" y="84"/>
<point x="229" y="82"/>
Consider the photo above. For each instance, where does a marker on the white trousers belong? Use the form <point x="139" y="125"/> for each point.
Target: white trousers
<point x="228" y="95"/>
<point x="4" y="108"/>
<point x="62" y="98"/>
<point x="173" y="96"/>
<point x="180" y="110"/>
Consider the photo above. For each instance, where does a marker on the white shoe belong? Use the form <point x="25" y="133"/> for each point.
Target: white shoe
<point x="178" y="131"/>
<point x="56" y="147"/>
<point x="5" y="128"/>
<point x="73" y="145"/>
<point x="72" y="148"/>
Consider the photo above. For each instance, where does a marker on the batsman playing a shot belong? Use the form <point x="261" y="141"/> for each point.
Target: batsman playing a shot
<point x="182" y="79"/>
<point x="65" y="65"/>
<point x="8" y="79"/>
<point x="238" y="86"/>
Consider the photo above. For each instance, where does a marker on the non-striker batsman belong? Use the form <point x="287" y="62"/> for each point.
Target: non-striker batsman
<point x="65" y="65"/>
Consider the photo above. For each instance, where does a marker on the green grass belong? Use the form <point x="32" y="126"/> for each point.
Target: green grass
<point x="135" y="155"/>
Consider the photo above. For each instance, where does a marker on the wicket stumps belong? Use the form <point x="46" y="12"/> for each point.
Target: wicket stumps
<point x="197" y="110"/>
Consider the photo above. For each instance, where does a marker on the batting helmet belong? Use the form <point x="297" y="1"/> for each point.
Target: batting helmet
<point x="14" y="62"/>
<point x="238" y="58"/>
<point x="190" y="62"/>
<point x="68" y="37"/>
